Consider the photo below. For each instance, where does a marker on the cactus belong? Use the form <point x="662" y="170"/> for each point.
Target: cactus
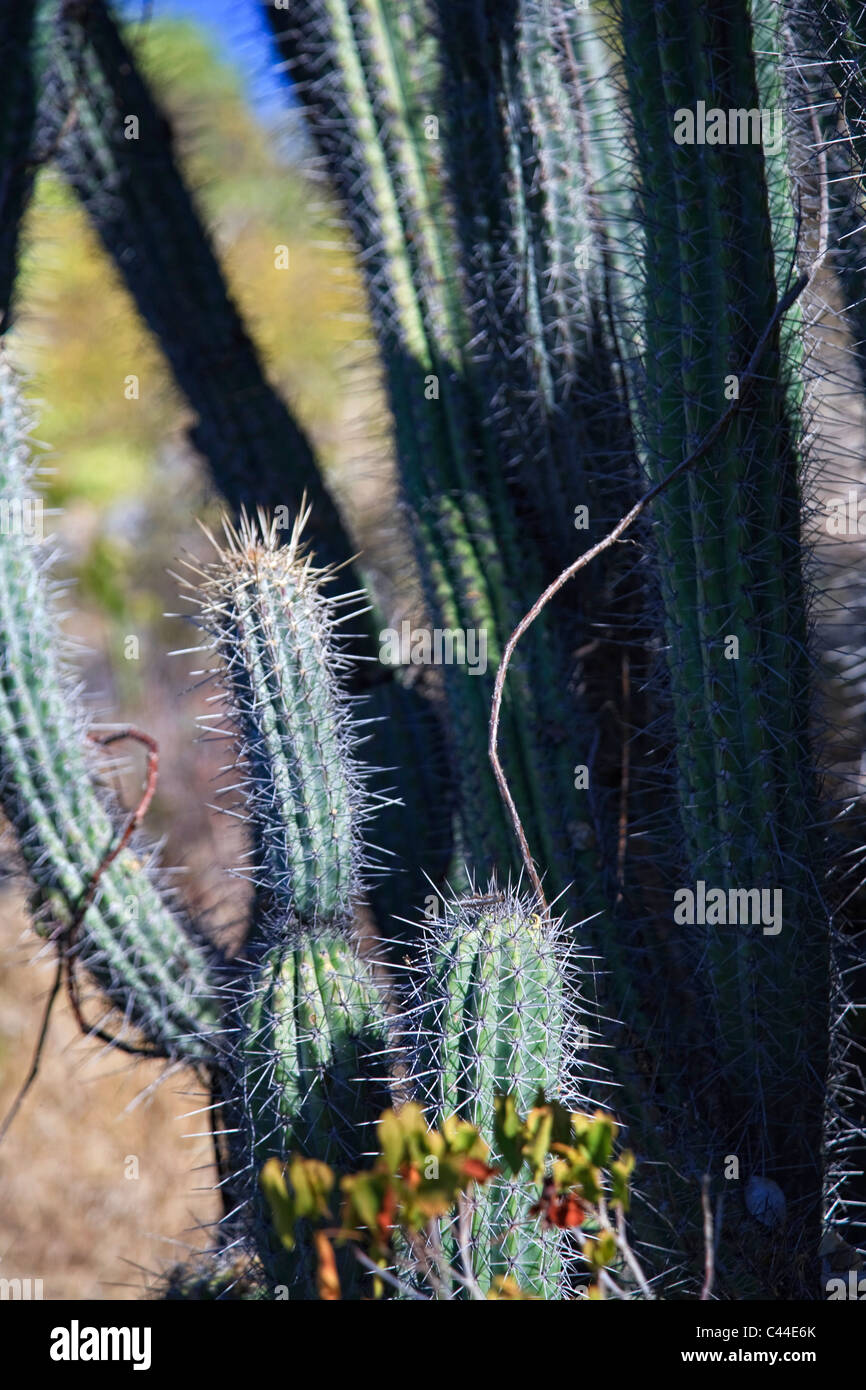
<point x="731" y="568"/>
<point x="497" y="1017"/>
<point x="475" y="149"/>
<point x="314" y="1058"/>
<point x="146" y="956"/>
<point x="314" y="856"/>
<point x="274" y="626"/>
<point x="310" y="1052"/>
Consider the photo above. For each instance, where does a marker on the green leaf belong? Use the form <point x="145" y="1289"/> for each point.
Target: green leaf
<point x="508" y="1132"/>
<point x="620" y="1172"/>
<point x="311" y="1182"/>
<point x="392" y="1140"/>
<point x="282" y="1208"/>
<point x="599" y="1141"/>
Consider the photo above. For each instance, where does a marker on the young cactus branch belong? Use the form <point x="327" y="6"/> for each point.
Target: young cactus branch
<point x="313" y="1061"/>
<point x="302" y="788"/>
<point x="498" y="1015"/>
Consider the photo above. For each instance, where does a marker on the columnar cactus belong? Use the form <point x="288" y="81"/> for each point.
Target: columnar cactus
<point x="118" y="922"/>
<point x="275" y="629"/>
<point x="310" y="1054"/>
<point x="314" y="1059"/>
<point x="732" y="585"/>
<point x="574" y="289"/>
<point x="496" y="1018"/>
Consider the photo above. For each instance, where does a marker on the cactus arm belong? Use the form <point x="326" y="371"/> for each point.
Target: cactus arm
<point x="313" y="1061"/>
<point x="268" y="614"/>
<point x="142" y="954"/>
<point x="310" y="1062"/>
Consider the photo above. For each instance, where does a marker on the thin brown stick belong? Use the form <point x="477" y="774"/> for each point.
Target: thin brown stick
<point x="625" y="774"/>
<point x="630" y="1257"/>
<point x="746" y="380"/>
<point x="709" y="1242"/>
<point x="133" y="821"/>
<point x="37" y="1052"/>
<point x="66" y="936"/>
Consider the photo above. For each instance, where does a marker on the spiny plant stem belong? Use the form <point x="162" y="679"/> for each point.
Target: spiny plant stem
<point x="146" y="959"/>
<point x="746" y="379"/>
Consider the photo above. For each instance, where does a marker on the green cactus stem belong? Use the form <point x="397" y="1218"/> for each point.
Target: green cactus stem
<point x="302" y="788"/>
<point x="142" y="953"/>
<point x="314" y="1058"/>
<point x="498" y="1016"/>
<point x="731" y="564"/>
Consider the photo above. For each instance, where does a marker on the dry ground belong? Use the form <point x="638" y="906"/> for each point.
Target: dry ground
<point x="69" y="1215"/>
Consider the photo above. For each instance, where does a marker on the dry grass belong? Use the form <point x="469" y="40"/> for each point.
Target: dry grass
<point x="69" y="1215"/>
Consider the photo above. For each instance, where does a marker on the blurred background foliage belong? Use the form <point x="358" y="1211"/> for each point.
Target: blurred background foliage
<point x="79" y="337"/>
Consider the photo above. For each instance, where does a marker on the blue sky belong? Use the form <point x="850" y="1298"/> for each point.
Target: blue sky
<point x="239" y="31"/>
